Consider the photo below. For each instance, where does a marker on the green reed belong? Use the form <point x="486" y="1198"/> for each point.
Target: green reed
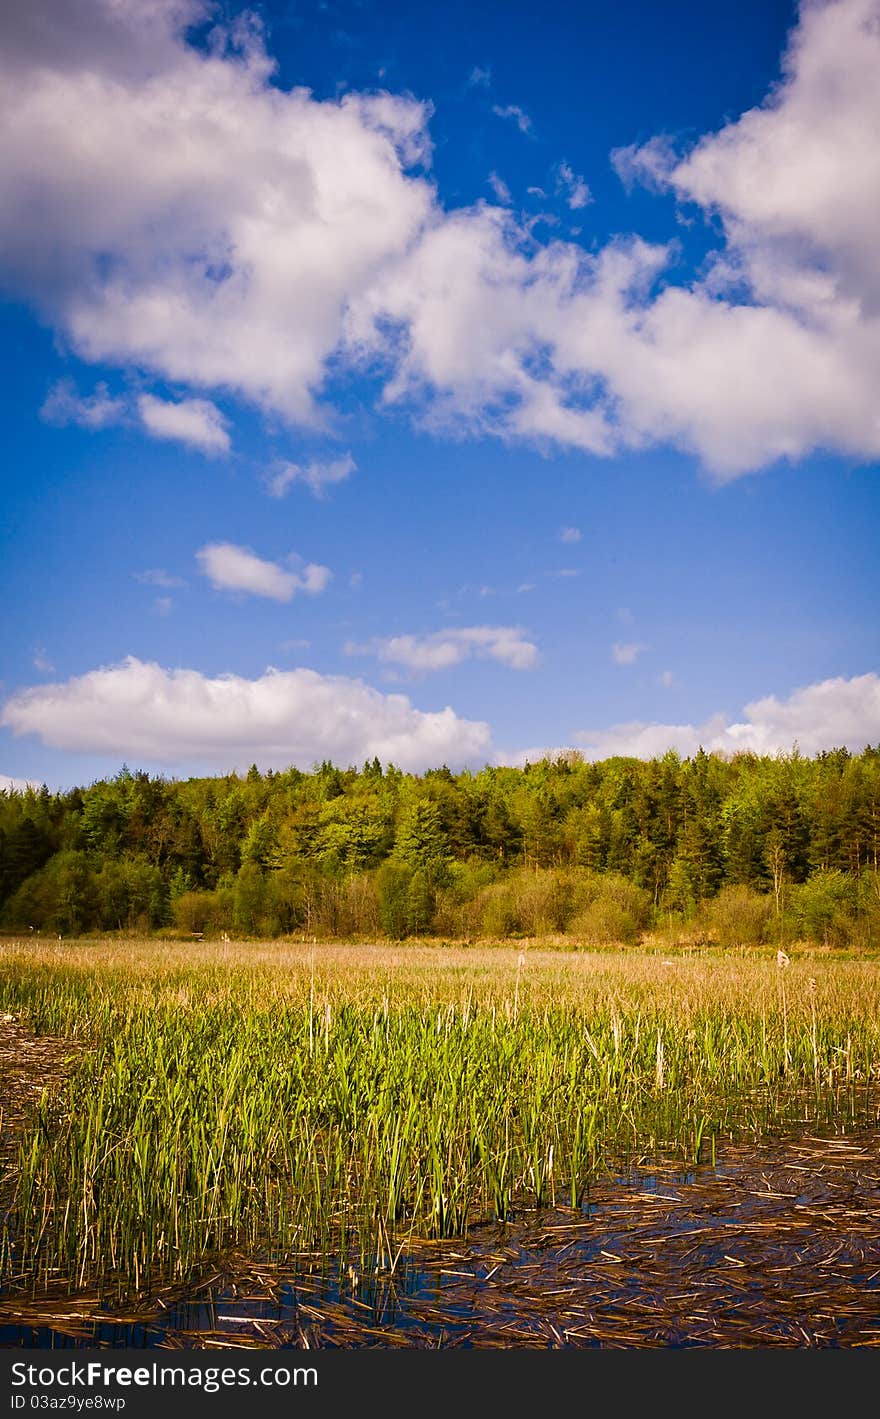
<point x="295" y="1105"/>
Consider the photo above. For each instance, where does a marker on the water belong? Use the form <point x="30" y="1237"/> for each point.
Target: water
<point x="776" y="1245"/>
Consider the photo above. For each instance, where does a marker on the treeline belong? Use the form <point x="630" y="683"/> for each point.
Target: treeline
<point x="746" y="848"/>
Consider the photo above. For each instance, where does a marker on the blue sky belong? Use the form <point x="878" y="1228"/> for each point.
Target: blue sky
<point x="447" y="384"/>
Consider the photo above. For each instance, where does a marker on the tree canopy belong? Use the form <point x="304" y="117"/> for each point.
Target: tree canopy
<point x="376" y="849"/>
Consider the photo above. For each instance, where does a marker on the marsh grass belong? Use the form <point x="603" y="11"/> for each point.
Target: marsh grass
<point x="285" y="1099"/>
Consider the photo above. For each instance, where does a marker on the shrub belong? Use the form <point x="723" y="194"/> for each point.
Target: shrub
<point x="824" y="908"/>
<point x="496" y="911"/>
<point x="203" y="911"/>
<point x="603" y="922"/>
<point x="739" y="916"/>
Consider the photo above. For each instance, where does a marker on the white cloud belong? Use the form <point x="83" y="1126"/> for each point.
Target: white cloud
<point x="666" y="679"/>
<point x="572" y="186"/>
<point x="194" y="421"/>
<point x="16" y="785"/>
<point x="442" y="649"/>
<point x="500" y="188"/>
<point x="797" y="180"/>
<point x="479" y="78"/>
<point x="775" y="353"/>
<point x="232" y="568"/>
<point x="170" y="207"/>
<point x="647" y="164"/>
<point x="796" y="184"/>
<point x="142" y="711"/>
<point x="316" y="476"/>
<point x="831" y="714"/>
<point x="41" y="661"/>
<point x="570" y="534"/>
<point x="157" y="576"/>
<point x="626" y="652"/>
<point x="516" y="114"/>
<point x="65" y="405"/>
<point x="162" y="605"/>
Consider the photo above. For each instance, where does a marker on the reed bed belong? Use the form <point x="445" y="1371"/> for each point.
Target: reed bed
<point x="288" y="1099"/>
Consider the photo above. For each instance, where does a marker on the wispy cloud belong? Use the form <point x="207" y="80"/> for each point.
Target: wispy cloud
<point x="41" y="661"/>
<point x="65" y="405"/>
<point x="440" y="650"/>
<point x="515" y="114"/>
<point x="572" y="187"/>
<point x="196" y="422"/>
<point x="157" y="576"/>
<point x="232" y="568"/>
<point x="316" y="476"/>
<point x="500" y="188"/>
<point x="626" y="652"/>
<point x="648" y="164"/>
<point x="570" y="534"/>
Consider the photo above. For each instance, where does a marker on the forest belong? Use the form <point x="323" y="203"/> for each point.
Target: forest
<point x="740" y="849"/>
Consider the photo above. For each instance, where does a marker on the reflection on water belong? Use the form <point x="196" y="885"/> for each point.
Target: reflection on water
<point x="774" y="1246"/>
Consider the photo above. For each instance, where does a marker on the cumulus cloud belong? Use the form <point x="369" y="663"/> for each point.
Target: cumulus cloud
<point x="193" y="421"/>
<point x="626" y="652"/>
<point x="317" y="476"/>
<point x="442" y="649"/>
<point x="831" y="714"/>
<point x="65" y="405"/>
<point x="168" y="206"/>
<point x="772" y="354"/>
<point x="143" y="711"/>
<point x="232" y="568"/>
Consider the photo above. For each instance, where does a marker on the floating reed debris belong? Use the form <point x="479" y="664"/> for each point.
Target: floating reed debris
<point x="346" y="1109"/>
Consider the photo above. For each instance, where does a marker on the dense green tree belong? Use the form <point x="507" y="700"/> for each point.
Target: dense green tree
<point x="392" y="888"/>
<point x="342" y="849"/>
<point x="421" y="840"/>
